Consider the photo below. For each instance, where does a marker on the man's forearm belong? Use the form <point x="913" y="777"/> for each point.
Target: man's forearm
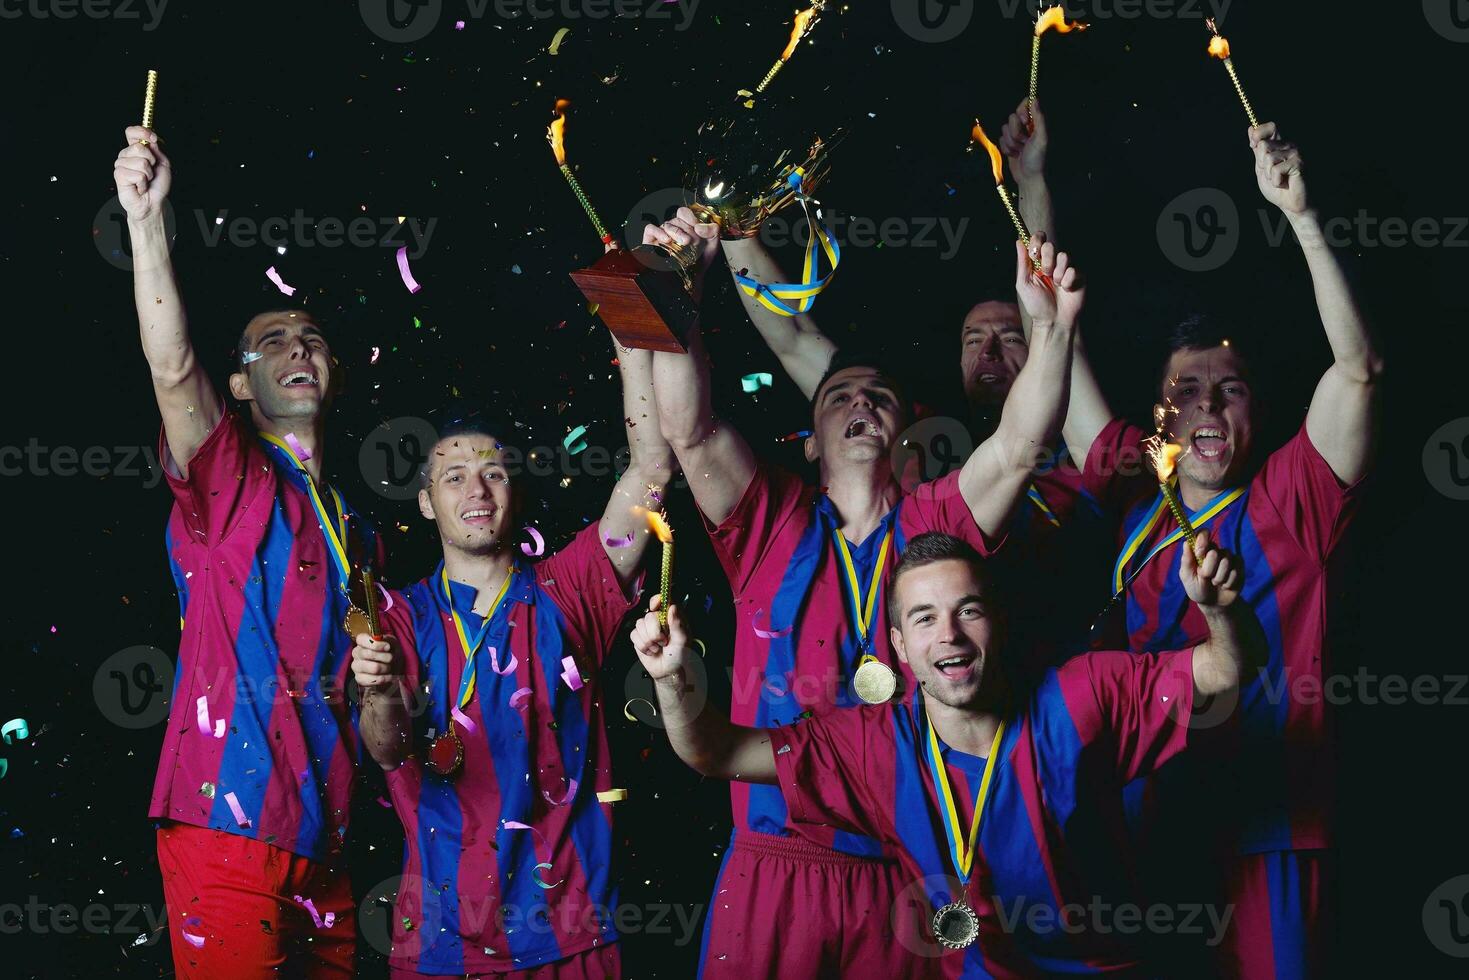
<point x="1346" y="329"/>
<point x="1036" y="209"/>
<point x="804" y="351"/>
<point x="707" y="741"/>
<point x="162" y="323"/>
<point x="386" y="724"/>
<point x="1236" y="649"/>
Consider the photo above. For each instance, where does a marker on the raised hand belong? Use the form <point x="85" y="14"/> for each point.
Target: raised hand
<point x="684" y="230"/>
<point x="1024" y="140"/>
<point x="663" y="652"/>
<point x="376" y="664"/>
<point x="1278" y="169"/>
<point x="1210" y="575"/>
<point x="142" y="174"/>
<point x="1055" y="292"/>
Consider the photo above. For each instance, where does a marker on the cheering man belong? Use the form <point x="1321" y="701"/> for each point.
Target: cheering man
<point x="260" y="753"/>
<point x="1285" y="517"/>
<point x="503" y="785"/>
<point x="807" y="566"/>
<point x="1001" y="798"/>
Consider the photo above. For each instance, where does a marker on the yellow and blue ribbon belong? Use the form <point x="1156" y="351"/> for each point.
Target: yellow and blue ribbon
<point x="792" y="299"/>
<point x="466" y="683"/>
<point x="1150" y="520"/>
<point x="1040" y="502"/>
<point x="961" y="849"/>
<point x="862" y="608"/>
<point x="335" y="531"/>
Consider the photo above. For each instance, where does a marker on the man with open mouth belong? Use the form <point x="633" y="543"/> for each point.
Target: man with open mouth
<point x="1000" y="795"/>
<point x="807" y="566"/>
<point x="1285" y="514"/>
<point x="502" y="777"/>
<point x="259" y="756"/>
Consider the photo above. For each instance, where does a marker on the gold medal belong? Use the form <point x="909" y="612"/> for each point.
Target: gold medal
<point x="446" y="754"/>
<point x="956" y="926"/>
<point x="359" y="620"/>
<point x="874" y="681"/>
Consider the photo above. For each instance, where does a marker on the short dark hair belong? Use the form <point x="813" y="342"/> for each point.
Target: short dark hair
<point x="459" y="420"/>
<point x="845" y="359"/>
<point x="1196" y="331"/>
<point x="927" y="549"/>
<point x="238" y="354"/>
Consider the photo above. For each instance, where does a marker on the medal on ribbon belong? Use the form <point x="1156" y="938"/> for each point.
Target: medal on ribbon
<point x="874" y="681"/>
<point x="446" y="753"/>
<point x="335" y="531"/>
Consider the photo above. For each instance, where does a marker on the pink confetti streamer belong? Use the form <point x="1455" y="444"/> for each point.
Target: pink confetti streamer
<point x="509" y="666"/>
<point x="327" y="920"/>
<point x="618" y="542"/>
<point x="565" y="797"/>
<point x="387" y="597"/>
<point x="540" y="548"/>
<point x="203" y="715"/>
<point x="302" y="453"/>
<point x="405" y="272"/>
<point x="237" y="810"/>
<point x="275" y="277"/>
<point x="773" y="634"/>
<point x="195" y="941"/>
<point x="463" y="719"/>
<point x="570" y="674"/>
<point x="519" y="699"/>
<point x="517" y="825"/>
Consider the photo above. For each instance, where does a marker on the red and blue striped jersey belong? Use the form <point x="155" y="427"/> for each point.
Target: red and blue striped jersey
<point x="263" y="657"/>
<point x="796" y="643"/>
<point x="1052" y="842"/>
<point x="1284" y="527"/>
<point x="474" y="896"/>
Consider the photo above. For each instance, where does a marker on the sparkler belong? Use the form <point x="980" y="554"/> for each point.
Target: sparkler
<point x="658" y="524"/>
<point x="977" y="136"/>
<point x="150" y="95"/>
<point x="805" y="21"/>
<point x="1054" y="18"/>
<point x="556" y="136"/>
<point x="1219" y="48"/>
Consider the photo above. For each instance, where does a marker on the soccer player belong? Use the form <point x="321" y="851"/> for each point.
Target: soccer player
<point x="1285" y="514"/>
<point x="260" y="752"/>
<point x="1000" y="797"/>
<point x="1055" y="529"/>
<point x="807" y="566"/>
<point x="503" y="783"/>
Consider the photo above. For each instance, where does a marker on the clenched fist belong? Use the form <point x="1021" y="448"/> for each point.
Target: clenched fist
<point x="142" y="174"/>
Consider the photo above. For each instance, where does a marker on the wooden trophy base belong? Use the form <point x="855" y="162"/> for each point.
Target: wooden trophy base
<point x="641" y="297"/>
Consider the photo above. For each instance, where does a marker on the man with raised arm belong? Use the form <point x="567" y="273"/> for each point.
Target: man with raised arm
<point x="260" y="753"/>
<point x="504" y="784"/>
<point x="1052" y="540"/>
<point x="1284" y="513"/>
<point x="808" y="566"/>
<point x="1000" y="797"/>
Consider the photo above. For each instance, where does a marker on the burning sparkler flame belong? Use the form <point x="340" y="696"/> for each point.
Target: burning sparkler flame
<point x="1219" y="48"/>
<point x="658" y="524"/>
<point x="556" y="132"/>
<point x="1055" y="19"/>
<point x="996" y="164"/>
<point x="805" y="20"/>
<point x="1164" y="457"/>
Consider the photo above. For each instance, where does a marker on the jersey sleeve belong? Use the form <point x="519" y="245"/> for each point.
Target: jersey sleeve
<point x="1137" y="705"/>
<point x="227" y="475"/>
<point x="743" y="539"/>
<point x="1115" y="473"/>
<point x="1314" y="505"/>
<point x="826" y="767"/>
<point x="583" y="583"/>
<point x="939" y="505"/>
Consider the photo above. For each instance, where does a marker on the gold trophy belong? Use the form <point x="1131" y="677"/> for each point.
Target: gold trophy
<point x="645" y="295"/>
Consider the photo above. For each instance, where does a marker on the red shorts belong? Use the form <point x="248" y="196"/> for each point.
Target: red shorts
<point x="1279" y="930"/>
<point x="236" y="898"/>
<point x="784" y="907"/>
<point x="602" y="963"/>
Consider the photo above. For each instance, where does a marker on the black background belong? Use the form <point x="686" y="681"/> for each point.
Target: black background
<point x="271" y="108"/>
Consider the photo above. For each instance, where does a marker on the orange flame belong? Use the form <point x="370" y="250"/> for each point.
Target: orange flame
<point x="1055" y="19"/>
<point x="658" y="524"/>
<point x="1218" y="46"/>
<point x="996" y="164"/>
<point x="805" y="20"/>
<point x="556" y="132"/>
<point x="1167" y="459"/>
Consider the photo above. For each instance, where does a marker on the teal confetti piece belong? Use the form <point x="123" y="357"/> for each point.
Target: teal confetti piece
<point x="754" y="382"/>
<point x="16" y="727"/>
<point x="575" y="441"/>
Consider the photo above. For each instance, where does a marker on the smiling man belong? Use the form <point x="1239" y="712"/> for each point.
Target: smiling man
<point x="260" y="753"/>
<point x="503" y="784"/>
<point x="1285" y="514"/>
<point x="808" y="566"/>
<point x="1000" y="798"/>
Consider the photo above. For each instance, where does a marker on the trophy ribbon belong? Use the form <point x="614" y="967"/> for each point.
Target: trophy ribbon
<point x="779" y="297"/>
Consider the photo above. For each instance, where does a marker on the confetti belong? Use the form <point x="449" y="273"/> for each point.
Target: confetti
<point x="275" y="277"/>
<point x="17" y="727"/>
<point x="302" y="453"/>
<point x="519" y="699"/>
<point x="195" y="941"/>
<point x="627" y="709"/>
<point x="541" y="882"/>
<point x="509" y="667"/>
<point x="376" y="353"/>
<point x="540" y="547"/>
<point x="326" y="920"/>
<point x="565" y="797"/>
<point x="575" y="441"/>
<point x="556" y="41"/>
<point x="570" y="674"/>
<point x="616" y="795"/>
<point x="773" y="634"/>
<point x="408" y="280"/>
<point x="804" y="433"/>
<point x="250" y="357"/>
<point x="463" y="719"/>
<point x="618" y="542"/>
<point x="203" y="717"/>
<point x="754" y="382"/>
<point x="237" y="810"/>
